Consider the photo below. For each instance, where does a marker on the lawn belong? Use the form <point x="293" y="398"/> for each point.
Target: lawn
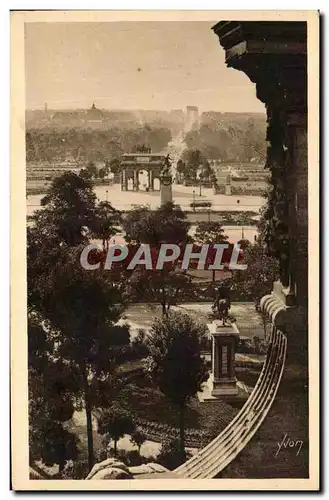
<point x="158" y="417"/>
<point x="143" y="315"/>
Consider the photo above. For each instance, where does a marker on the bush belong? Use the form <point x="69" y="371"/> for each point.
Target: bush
<point x="252" y="346"/>
<point x="75" y="470"/>
<point x="138" y="345"/>
<point x="206" y="343"/>
<point x="130" y="458"/>
<point x="170" y="455"/>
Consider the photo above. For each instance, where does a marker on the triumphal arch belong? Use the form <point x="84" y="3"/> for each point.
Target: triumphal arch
<point x="142" y="170"/>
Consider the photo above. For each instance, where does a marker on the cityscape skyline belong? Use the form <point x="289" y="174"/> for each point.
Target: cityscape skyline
<point x="70" y="109"/>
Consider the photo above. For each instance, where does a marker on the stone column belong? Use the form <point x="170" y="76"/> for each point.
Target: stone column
<point x="136" y="183"/>
<point x="276" y="61"/>
<point x="150" y="180"/>
<point x="166" y="189"/>
<point x="123" y="180"/>
<point x="297" y="131"/>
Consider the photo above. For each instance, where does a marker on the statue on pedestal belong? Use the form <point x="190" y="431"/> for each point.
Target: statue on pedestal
<point x="222" y="304"/>
<point x="166" y="168"/>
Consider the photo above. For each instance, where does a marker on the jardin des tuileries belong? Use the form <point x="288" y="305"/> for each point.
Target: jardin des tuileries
<point x="167" y="250"/>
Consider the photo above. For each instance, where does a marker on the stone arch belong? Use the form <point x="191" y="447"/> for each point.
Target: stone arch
<point x="143" y="180"/>
<point x="130" y="184"/>
<point x="156" y="184"/>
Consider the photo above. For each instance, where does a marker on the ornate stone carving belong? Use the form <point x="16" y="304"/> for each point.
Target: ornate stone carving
<point x="275" y="60"/>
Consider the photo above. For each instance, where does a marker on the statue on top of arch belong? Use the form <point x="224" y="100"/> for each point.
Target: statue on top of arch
<point x="142" y="148"/>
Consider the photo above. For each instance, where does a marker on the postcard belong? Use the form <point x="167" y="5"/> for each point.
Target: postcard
<point x="165" y="250"/>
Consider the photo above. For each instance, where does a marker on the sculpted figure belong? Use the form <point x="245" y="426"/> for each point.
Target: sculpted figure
<point x="222" y="304"/>
<point x="166" y="166"/>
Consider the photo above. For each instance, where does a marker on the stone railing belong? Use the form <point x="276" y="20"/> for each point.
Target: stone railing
<point x="212" y="459"/>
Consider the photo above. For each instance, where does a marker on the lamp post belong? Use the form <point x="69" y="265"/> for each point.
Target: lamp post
<point x="193" y="200"/>
<point x="107" y="195"/>
<point x="200" y="178"/>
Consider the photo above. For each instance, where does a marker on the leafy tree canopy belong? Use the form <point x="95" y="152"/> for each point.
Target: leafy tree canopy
<point x="175" y="362"/>
<point x="208" y="232"/>
<point x="166" y="224"/>
<point x="115" y="422"/>
<point x="262" y="270"/>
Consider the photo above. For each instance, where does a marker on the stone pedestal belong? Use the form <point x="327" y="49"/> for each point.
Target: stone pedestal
<point x="228" y="190"/>
<point x="224" y="339"/>
<point x="222" y="384"/>
<point x="166" y="189"/>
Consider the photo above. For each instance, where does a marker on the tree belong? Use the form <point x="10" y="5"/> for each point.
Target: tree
<point x="170" y="455"/>
<point x="85" y="174"/>
<point x="213" y="180"/>
<point x="102" y="173"/>
<point x="107" y="220"/>
<point x="193" y="159"/>
<point x="181" y="170"/>
<point x="166" y="287"/>
<point x="92" y="170"/>
<point x="115" y="422"/>
<point x="253" y="140"/>
<point x="175" y="363"/>
<point x="244" y="244"/>
<point x="210" y="232"/>
<point x="138" y="438"/>
<point x="52" y="443"/>
<point x="50" y="400"/>
<point x="226" y="137"/>
<point x="262" y="270"/>
<point x="138" y="345"/>
<point x="81" y="306"/>
<point x="180" y="167"/>
<point x="69" y="206"/>
<point x="167" y="224"/>
<point x="206" y="171"/>
<point x="89" y="145"/>
<point x="114" y="165"/>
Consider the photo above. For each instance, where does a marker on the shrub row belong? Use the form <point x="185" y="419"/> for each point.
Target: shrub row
<point x="162" y="432"/>
<point x="236" y="190"/>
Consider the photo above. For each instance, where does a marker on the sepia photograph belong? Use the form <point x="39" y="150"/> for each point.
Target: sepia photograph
<point x="164" y="205"/>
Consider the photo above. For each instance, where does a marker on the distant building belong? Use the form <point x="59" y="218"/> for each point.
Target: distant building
<point x="192" y="118"/>
<point x="77" y="118"/>
<point x="94" y="115"/>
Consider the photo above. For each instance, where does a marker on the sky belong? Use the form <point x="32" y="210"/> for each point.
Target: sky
<point x="132" y="65"/>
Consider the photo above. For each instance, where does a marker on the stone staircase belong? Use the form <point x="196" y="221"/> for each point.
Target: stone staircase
<point x="226" y="446"/>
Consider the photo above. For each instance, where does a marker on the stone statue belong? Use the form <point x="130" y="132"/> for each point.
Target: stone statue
<point x="222" y="304"/>
<point x="166" y="167"/>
